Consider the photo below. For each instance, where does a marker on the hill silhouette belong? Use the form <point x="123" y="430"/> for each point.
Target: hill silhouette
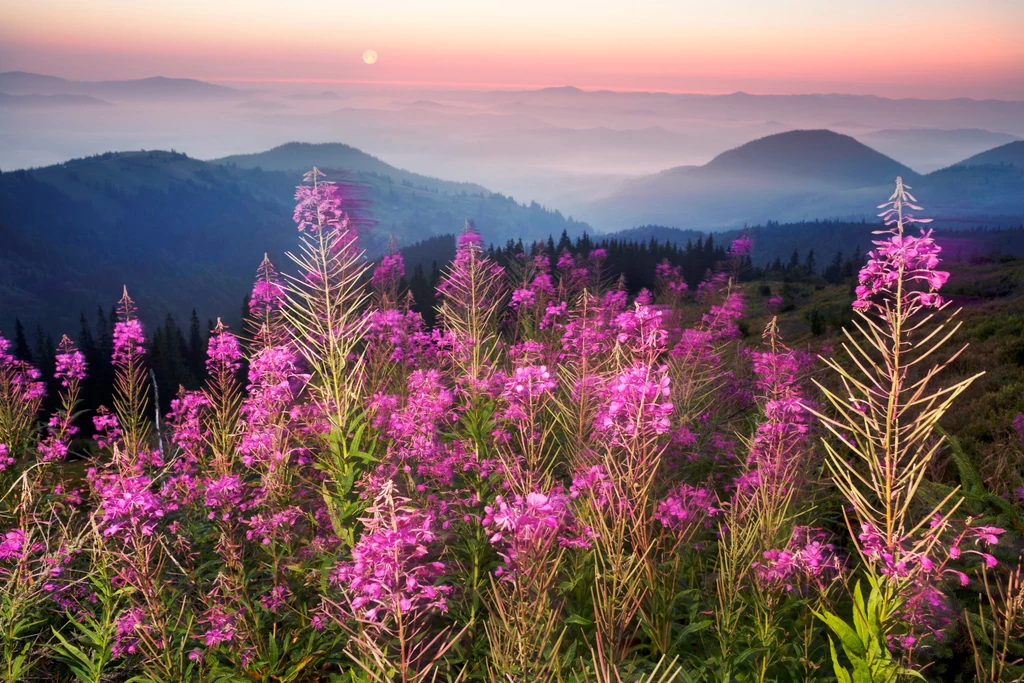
<point x="804" y="175"/>
<point x="154" y="88"/>
<point x="814" y="156"/>
<point x="182" y="232"/>
<point x="1011" y="153"/>
<point x="301" y="156"/>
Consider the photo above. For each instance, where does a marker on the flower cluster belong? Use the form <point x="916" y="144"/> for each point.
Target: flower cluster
<point x="808" y="561"/>
<point x="525" y="390"/>
<point x="530" y="525"/>
<point x="318" y="204"/>
<point x="18" y="380"/>
<point x="128" y="505"/>
<point x="223" y="353"/>
<point x="902" y="259"/>
<point x="399" y="337"/>
<point x="267" y="291"/>
<point x="129" y="341"/>
<point x="637" y="404"/>
<point x="12" y="545"/>
<point x="670" y="279"/>
<point x="389" y="271"/>
<point x="686" y="508"/>
<point x="70" y="364"/>
<point x="129" y="627"/>
<point x="641" y="331"/>
<point x="390" y="572"/>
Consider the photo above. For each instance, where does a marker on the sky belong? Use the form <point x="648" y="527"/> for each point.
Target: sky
<point x="912" y="48"/>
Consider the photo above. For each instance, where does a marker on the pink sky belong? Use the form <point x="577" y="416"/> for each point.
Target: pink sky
<point x="915" y="48"/>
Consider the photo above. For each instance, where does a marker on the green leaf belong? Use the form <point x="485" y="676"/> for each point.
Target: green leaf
<point x="842" y="675"/>
<point x="851" y="642"/>
<point x="577" y="620"/>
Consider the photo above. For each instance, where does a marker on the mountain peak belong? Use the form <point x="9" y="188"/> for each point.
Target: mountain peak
<point x="816" y="155"/>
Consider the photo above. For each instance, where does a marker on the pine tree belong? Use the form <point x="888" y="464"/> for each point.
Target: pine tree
<point x="21" y="349"/>
<point x="196" y="348"/>
<point x="810" y="266"/>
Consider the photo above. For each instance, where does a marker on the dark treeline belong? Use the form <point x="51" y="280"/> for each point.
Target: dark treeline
<point x="635" y="259"/>
<point x="176" y="357"/>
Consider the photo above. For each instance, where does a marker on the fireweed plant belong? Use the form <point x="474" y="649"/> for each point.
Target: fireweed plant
<point x="558" y="482"/>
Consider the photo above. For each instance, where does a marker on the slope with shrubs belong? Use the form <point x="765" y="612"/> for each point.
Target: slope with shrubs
<point x="559" y="482"/>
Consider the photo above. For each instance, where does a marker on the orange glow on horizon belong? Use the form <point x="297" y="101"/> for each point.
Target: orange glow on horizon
<point x="915" y="49"/>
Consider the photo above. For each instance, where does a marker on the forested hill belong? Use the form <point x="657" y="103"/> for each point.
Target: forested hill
<point x="296" y="157"/>
<point x="182" y="232"/>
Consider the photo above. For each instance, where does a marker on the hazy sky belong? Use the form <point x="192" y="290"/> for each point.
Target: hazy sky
<point x="929" y="48"/>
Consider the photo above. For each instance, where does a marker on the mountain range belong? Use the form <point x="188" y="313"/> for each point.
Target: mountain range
<point x="805" y="175"/>
<point x="154" y="88"/>
<point x="929" y="149"/>
<point x="182" y="232"/>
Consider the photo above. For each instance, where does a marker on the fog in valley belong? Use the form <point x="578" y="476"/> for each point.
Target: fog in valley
<point x="565" y="148"/>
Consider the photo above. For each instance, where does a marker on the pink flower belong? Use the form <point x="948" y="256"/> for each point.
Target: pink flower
<point x="12" y="544"/>
<point x="636" y="404"/>
<point x="70" y="365"/>
<point x="687" y="507"/>
<point x="390" y="570"/>
<point x="223" y="351"/>
<point x="526" y="527"/>
<point x="129" y="341"/>
<point x="390" y="270"/>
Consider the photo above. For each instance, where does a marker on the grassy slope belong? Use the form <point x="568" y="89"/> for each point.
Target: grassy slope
<point x="991" y="296"/>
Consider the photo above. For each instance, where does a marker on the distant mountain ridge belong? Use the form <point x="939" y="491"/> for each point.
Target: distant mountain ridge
<point x="49" y="101"/>
<point x="816" y="156"/>
<point x="805" y="175"/>
<point x="153" y="88"/>
<point x="1012" y="153"/>
<point x="301" y="156"/>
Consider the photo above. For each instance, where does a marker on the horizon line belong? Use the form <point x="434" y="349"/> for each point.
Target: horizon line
<point x="486" y="86"/>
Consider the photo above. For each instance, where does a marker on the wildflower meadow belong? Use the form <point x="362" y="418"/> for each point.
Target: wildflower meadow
<point x="556" y="481"/>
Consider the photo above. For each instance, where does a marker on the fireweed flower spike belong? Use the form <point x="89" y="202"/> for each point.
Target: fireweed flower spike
<point x="70" y="370"/>
<point x="265" y="323"/>
<point x="888" y="407"/>
<point x="325" y="312"/>
<point x="131" y="390"/>
<point x="387" y="276"/>
<point x="224" y="356"/>
<point x="21" y="394"/>
<point x="472" y="293"/>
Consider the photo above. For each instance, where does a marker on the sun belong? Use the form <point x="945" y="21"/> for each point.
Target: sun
<point x="370" y="56"/>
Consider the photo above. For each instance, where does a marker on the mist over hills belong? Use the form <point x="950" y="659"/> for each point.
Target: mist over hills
<point x="805" y="175"/>
<point x="46" y="101"/>
<point x="299" y="157"/>
<point x="154" y="88"/>
<point x="1011" y="154"/>
<point x="559" y="146"/>
<point x="181" y="231"/>
<point x="929" y="149"/>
